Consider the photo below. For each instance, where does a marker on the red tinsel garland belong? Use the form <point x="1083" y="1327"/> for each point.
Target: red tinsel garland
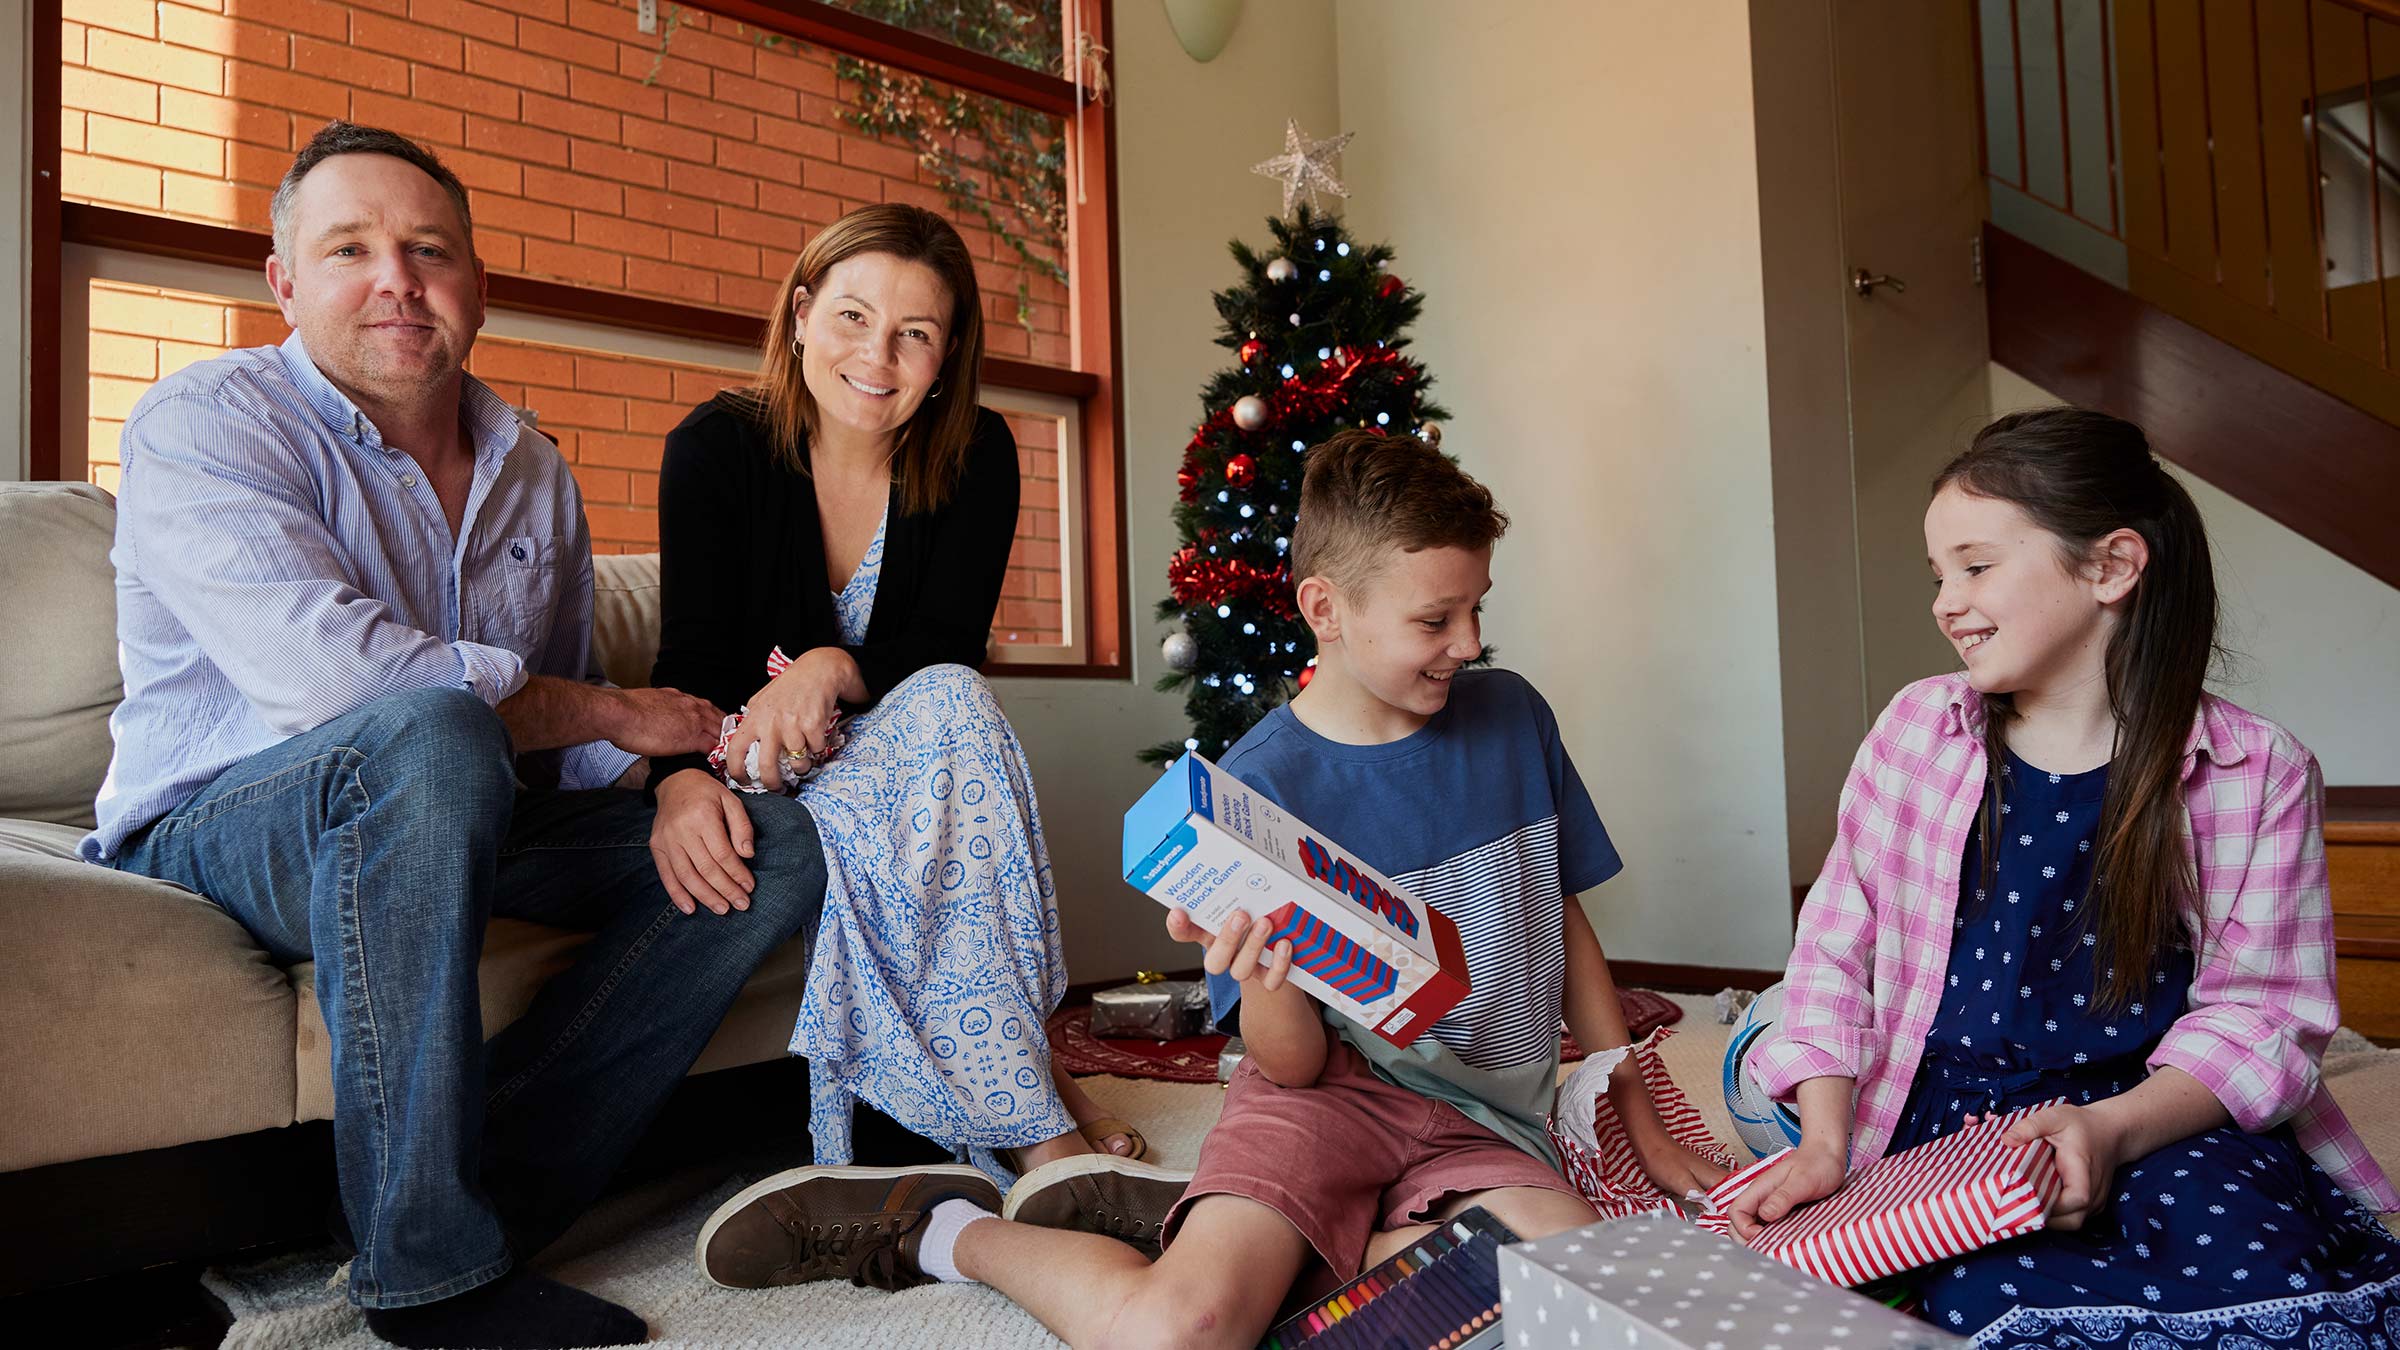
<point x="1197" y="580"/>
<point x="1306" y="397"/>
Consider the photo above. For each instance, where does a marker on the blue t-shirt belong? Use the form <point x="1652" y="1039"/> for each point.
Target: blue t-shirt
<point x="1479" y="814"/>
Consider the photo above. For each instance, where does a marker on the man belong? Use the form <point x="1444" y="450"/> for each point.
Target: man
<point x="354" y="611"/>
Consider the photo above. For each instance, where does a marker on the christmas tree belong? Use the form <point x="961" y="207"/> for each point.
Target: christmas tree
<point x="1315" y="327"/>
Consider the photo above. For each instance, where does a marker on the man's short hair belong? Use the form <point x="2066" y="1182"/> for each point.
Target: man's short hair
<point x="348" y="138"/>
<point x="1367" y="492"/>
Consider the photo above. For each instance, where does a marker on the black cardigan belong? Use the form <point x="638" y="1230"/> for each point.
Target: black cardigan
<point x="742" y="564"/>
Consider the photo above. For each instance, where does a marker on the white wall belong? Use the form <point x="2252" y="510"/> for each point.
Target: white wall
<point x="1187" y="136"/>
<point x="1575" y="189"/>
<point x="2314" y="640"/>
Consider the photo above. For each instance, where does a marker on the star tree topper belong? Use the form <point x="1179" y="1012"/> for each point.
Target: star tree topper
<point x="1305" y="165"/>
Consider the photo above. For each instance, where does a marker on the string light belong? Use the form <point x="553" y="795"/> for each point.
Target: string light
<point x="1383" y="419"/>
<point x="1224" y="611"/>
<point x="1246" y="514"/>
<point x="1324" y="274"/>
<point x="1250" y="630"/>
<point x="1343" y="249"/>
<point x="1287" y="372"/>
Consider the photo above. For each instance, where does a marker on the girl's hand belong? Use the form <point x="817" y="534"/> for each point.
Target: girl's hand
<point x="1806" y="1173"/>
<point x="795" y="711"/>
<point x="698" y="840"/>
<point x="1238" y="948"/>
<point x="2089" y="1147"/>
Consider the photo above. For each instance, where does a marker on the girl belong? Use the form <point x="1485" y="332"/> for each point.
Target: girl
<point x="854" y="512"/>
<point x="2070" y="873"/>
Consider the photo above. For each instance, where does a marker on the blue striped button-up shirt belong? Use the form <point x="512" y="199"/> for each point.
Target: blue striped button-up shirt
<point x="278" y="566"/>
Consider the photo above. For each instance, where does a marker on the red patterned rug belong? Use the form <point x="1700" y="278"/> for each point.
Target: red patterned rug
<point x="1194" y="1058"/>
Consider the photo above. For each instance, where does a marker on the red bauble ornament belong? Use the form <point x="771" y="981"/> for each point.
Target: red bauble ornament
<point x="1240" y="471"/>
<point x="1391" y="286"/>
<point x="1307" y="673"/>
<point x="1252" y="350"/>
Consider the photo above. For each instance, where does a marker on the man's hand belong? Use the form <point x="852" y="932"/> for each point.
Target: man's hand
<point x="1809" y="1172"/>
<point x="698" y="840"/>
<point x="1238" y="948"/>
<point x="2089" y="1147"/>
<point x="664" y="722"/>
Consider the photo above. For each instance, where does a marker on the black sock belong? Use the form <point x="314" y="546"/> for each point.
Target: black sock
<point x="518" y="1311"/>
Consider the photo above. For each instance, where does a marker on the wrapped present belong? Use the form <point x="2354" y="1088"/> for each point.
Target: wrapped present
<point x="1657" y="1283"/>
<point x="1153" y="1007"/>
<point x="1200" y="840"/>
<point x="798" y="765"/>
<point x="1594" y="1152"/>
<point x="1925" y="1204"/>
<point x="1230" y="1058"/>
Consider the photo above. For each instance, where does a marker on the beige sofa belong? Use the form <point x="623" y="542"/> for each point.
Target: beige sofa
<point x="135" y="1015"/>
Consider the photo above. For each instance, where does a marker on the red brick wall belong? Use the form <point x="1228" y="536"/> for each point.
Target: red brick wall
<point x="608" y="413"/>
<point x="697" y="185"/>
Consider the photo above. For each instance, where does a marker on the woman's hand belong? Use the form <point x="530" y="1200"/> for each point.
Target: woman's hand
<point x="698" y="839"/>
<point x="795" y="712"/>
<point x="1809" y="1172"/>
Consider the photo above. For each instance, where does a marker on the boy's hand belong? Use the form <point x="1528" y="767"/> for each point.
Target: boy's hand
<point x="1239" y="949"/>
<point x="1675" y="1169"/>
<point x="1806" y="1173"/>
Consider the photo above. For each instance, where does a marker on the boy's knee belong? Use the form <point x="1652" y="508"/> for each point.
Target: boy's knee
<point x="1535" y="1212"/>
<point x="1167" y="1314"/>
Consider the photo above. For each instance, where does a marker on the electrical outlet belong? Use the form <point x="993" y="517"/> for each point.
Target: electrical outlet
<point x="645" y="15"/>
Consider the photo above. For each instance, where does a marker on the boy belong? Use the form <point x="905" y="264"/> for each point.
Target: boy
<point x="1336" y="1150"/>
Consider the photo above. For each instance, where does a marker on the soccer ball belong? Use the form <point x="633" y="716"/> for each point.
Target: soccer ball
<point x="1764" y="1124"/>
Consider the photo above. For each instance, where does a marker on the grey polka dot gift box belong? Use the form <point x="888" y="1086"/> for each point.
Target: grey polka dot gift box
<point x="1657" y="1283"/>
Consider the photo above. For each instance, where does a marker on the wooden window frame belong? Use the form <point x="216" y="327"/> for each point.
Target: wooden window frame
<point x="1097" y="613"/>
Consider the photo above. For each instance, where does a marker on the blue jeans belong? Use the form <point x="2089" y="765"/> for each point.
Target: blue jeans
<point x="379" y="845"/>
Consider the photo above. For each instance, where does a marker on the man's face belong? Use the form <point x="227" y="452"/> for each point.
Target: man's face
<point x="383" y="284"/>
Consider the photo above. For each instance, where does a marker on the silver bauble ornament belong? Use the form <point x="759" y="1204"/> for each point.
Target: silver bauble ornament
<point x="1179" y="651"/>
<point x="1249" y="412"/>
<point x="1281" y="269"/>
<point x="1431" y="434"/>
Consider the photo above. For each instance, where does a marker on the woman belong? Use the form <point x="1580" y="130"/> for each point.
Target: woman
<point x="854" y="512"/>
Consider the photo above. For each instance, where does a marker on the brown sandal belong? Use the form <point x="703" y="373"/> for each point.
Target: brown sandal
<point x="1097" y="1132"/>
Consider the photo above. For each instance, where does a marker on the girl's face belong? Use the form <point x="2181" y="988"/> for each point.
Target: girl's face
<point x="2020" y="619"/>
<point x="873" y="335"/>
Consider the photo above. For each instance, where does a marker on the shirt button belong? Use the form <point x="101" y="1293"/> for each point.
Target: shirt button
<point x="408" y="480"/>
<point x="517" y="551"/>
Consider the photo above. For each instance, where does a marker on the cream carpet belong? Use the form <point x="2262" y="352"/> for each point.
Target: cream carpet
<point x="637" y="1248"/>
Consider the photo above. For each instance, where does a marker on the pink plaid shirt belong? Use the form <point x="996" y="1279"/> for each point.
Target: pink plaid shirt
<point x="1874" y="940"/>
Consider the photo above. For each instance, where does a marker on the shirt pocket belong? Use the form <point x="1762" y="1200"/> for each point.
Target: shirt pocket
<point x="529" y="592"/>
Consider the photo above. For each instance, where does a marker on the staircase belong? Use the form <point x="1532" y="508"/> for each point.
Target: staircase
<point x="2194" y="224"/>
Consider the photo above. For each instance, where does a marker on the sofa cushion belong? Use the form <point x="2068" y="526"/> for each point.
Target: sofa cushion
<point x="519" y="957"/>
<point x="58" y="649"/>
<point x="133" y="1014"/>
<point x="625" y="613"/>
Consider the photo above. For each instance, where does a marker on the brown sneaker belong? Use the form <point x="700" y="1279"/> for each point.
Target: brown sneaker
<point x="1099" y="1193"/>
<point x="859" y="1224"/>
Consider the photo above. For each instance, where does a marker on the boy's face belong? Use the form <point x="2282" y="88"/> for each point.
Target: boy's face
<point x="1407" y="630"/>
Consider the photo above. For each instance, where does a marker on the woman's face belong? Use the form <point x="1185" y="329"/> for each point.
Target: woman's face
<point x="873" y="335"/>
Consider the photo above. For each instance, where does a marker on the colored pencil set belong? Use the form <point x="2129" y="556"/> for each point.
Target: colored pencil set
<point x="1442" y="1293"/>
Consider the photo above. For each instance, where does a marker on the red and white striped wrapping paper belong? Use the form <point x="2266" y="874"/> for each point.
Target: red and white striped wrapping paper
<point x="1929" y="1203"/>
<point x="1610" y="1177"/>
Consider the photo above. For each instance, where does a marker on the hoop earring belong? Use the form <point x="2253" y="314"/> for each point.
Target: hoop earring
<point x="796" y="346"/>
<point x="936" y="391"/>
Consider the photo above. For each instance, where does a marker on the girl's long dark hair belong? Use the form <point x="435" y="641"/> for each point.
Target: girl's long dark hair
<point x="2081" y="475"/>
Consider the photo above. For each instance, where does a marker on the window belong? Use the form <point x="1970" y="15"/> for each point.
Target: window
<point x="637" y="185"/>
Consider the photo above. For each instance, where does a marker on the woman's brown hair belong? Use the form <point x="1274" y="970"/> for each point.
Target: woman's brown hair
<point x="2082" y="475"/>
<point x="932" y="451"/>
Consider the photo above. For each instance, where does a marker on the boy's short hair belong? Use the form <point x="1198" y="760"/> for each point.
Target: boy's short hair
<point x="1367" y="491"/>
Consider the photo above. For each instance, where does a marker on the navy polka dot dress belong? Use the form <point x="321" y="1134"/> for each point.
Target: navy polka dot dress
<point x="2225" y="1238"/>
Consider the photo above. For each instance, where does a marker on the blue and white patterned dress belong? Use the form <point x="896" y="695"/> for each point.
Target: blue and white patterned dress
<point x="938" y="957"/>
<point x="2225" y="1238"/>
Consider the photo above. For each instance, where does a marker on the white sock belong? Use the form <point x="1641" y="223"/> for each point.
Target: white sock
<point x="940" y="1242"/>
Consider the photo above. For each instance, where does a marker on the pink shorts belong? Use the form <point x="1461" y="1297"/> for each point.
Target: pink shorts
<point x="1349" y="1156"/>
